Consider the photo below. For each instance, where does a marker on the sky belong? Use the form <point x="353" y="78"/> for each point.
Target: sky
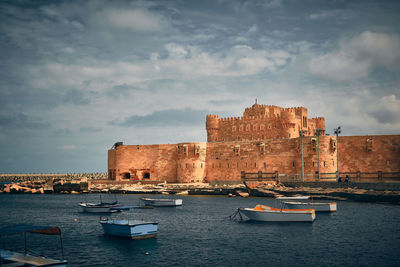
<point x="78" y="76"/>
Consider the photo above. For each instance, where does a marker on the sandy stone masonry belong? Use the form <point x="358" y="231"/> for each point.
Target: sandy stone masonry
<point x="266" y="138"/>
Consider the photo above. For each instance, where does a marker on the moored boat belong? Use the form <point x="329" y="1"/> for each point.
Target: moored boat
<point x="12" y="258"/>
<point x="270" y="214"/>
<point x="132" y="229"/>
<point x="99" y="207"/>
<point x="162" y="202"/>
<point x="102" y="207"/>
<point x="317" y="206"/>
<point x="294" y="198"/>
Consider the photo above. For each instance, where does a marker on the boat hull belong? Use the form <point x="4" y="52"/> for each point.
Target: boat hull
<point x="97" y="208"/>
<point x="11" y="258"/>
<point x="278" y="215"/>
<point x="317" y="206"/>
<point x="162" y="202"/>
<point x="130" y="229"/>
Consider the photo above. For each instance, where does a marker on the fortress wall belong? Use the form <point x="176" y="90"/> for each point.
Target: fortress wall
<point x="327" y="152"/>
<point x="226" y="160"/>
<point x="369" y="153"/>
<point x="191" y="162"/>
<point x="145" y="162"/>
<point x="111" y="161"/>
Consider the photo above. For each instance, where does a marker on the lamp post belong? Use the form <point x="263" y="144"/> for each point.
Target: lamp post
<point x="318" y="133"/>
<point x="301" y="132"/>
<point x="337" y="132"/>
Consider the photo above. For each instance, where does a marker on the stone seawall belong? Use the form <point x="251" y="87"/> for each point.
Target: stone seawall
<point x="367" y="186"/>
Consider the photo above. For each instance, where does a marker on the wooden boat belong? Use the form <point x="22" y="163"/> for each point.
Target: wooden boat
<point x="269" y="214"/>
<point x="294" y="198"/>
<point x="162" y="202"/>
<point x="11" y="258"/>
<point x="317" y="206"/>
<point x="132" y="229"/>
<point x="102" y="207"/>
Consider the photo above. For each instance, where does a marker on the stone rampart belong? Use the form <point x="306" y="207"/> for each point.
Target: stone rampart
<point x="191" y="162"/>
<point x="143" y="162"/>
<point x="369" y="153"/>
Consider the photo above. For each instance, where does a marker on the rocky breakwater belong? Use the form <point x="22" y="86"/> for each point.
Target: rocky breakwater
<point x="50" y="185"/>
<point x="84" y="185"/>
<point x="171" y="189"/>
<point x="346" y="192"/>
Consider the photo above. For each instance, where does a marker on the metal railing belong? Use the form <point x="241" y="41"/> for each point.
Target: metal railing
<point x="358" y="176"/>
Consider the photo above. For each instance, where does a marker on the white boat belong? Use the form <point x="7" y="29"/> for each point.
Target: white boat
<point x="294" y="198"/>
<point x="132" y="229"/>
<point x="12" y="258"/>
<point x="162" y="202"/>
<point x="270" y="214"/>
<point x="99" y="207"/>
<point x="317" y="206"/>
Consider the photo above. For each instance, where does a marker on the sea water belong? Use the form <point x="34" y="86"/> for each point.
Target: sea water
<point x="200" y="233"/>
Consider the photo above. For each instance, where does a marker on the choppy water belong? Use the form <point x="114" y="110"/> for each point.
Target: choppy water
<point x="200" y="234"/>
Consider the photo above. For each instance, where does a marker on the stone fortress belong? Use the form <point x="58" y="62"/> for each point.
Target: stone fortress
<point x="266" y="139"/>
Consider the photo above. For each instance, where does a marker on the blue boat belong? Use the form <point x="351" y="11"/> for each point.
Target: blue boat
<point x="132" y="229"/>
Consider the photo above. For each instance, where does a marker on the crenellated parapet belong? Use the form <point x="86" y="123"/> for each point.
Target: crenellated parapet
<point x="263" y="122"/>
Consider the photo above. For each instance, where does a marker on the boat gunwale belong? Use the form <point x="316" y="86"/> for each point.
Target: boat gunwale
<point x="129" y="223"/>
<point x="310" y="203"/>
<point x="286" y="211"/>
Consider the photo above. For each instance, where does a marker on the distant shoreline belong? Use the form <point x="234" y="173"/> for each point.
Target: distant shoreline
<point x="361" y="192"/>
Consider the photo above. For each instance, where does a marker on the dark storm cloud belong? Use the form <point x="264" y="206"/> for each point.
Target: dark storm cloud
<point x="64" y="131"/>
<point x="41" y="98"/>
<point x="122" y="90"/>
<point x="385" y="116"/>
<point x="68" y="67"/>
<point x="171" y="117"/>
<point x="224" y="102"/>
<point x="21" y="120"/>
<point x="89" y="129"/>
<point x="75" y="97"/>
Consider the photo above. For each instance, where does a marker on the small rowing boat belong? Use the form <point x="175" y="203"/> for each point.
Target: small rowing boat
<point x="132" y="229"/>
<point x="269" y="214"/>
<point x="162" y="202"/>
<point x="317" y="206"/>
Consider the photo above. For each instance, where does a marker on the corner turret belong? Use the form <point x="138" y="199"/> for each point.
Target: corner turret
<point x="212" y="126"/>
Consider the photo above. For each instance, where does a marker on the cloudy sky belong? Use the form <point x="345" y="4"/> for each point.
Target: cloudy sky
<point x="78" y="76"/>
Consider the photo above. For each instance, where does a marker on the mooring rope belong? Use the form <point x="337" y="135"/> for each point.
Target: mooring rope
<point x="233" y="216"/>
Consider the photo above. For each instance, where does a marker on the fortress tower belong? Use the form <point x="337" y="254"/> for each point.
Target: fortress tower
<point x="212" y="126"/>
<point x="261" y="122"/>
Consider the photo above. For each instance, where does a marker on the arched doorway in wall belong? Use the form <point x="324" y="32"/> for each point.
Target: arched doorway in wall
<point x="126" y="175"/>
<point x="146" y="175"/>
